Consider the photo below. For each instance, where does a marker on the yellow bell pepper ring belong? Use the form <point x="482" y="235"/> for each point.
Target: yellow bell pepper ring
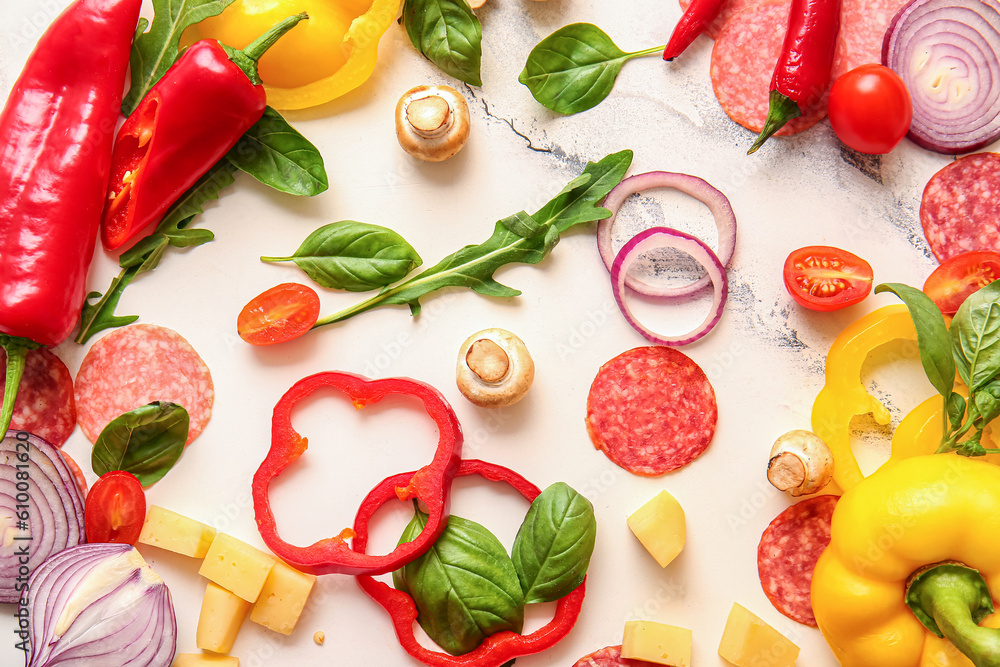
<point x="931" y="510"/>
<point x="332" y="53"/>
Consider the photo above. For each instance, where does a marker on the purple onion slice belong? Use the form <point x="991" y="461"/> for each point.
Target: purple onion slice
<point x="99" y="605"/>
<point x="41" y="509"/>
<point x="660" y="237"/>
<point x="948" y="54"/>
<point x="692" y="186"/>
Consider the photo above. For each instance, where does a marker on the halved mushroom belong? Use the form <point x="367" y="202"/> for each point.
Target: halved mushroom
<point x="801" y="463"/>
<point x="432" y="122"/>
<point x="494" y="368"/>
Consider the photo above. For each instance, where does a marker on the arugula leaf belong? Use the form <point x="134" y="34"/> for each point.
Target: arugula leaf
<point x="553" y="547"/>
<point x="99" y="310"/>
<point x="448" y="34"/>
<point x="153" y="52"/>
<point x="146" y="442"/>
<point x="575" y="68"/>
<point x="277" y="155"/>
<point x="518" y="239"/>
<point x="976" y="336"/>
<point x="465" y="587"/>
<point x="353" y="256"/>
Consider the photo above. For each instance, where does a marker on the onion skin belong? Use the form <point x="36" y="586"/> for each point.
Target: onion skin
<point x="99" y="605"/>
<point x="666" y="237"/>
<point x="34" y="471"/>
<point x="946" y="51"/>
<point x="692" y="186"/>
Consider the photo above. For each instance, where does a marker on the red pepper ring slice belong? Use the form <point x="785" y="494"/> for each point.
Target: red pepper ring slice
<point x="431" y="484"/>
<point x="497" y="649"/>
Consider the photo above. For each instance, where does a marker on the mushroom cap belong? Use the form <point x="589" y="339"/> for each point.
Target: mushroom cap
<point x="503" y="360"/>
<point x="433" y="132"/>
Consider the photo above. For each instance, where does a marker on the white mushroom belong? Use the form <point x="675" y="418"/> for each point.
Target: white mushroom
<point x="801" y="463"/>
<point x="494" y="368"/>
<point x="432" y="122"/>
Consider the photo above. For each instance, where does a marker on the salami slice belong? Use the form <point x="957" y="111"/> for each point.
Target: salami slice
<point x="728" y="9"/>
<point x="610" y="656"/>
<point x="862" y="28"/>
<point x="743" y="63"/>
<point x="136" y="365"/>
<point x="959" y="206"/>
<point x="787" y="555"/>
<point x="44" y="405"/>
<point x="651" y="410"/>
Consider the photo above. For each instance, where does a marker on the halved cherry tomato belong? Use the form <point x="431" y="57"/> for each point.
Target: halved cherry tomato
<point x="281" y="313"/>
<point x="825" y="278"/>
<point x="870" y="109"/>
<point x="958" y="277"/>
<point x="115" y="509"/>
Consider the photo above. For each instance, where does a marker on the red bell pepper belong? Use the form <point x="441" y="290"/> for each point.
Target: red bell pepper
<point x="431" y="484"/>
<point x="695" y="20"/>
<point x="497" y="649"/>
<point x="185" y="124"/>
<point x="802" y="73"/>
<point x="56" y="133"/>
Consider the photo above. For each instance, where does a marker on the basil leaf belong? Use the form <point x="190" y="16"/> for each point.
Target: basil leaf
<point x="975" y="334"/>
<point x="448" y="34"/>
<point x="145" y="442"/>
<point x="932" y="336"/>
<point x="575" y="68"/>
<point x="465" y="587"/>
<point x="474" y="265"/>
<point x="553" y="547"/>
<point x="956" y="410"/>
<point x="353" y="256"/>
<point x="153" y="52"/>
<point x="273" y="152"/>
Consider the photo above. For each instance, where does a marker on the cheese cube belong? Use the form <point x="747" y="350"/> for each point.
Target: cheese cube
<point x="174" y="532"/>
<point x="660" y="527"/>
<point x="282" y="599"/>
<point x="222" y="614"/>
<point x="236" y="566"/>
<point x="204" y="660"/>
<point x="748" y="641"/>
<point x="657" y="643"/>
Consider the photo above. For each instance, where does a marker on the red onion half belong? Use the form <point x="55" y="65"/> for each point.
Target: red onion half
<point x="663" y="237"/>
<point x="692" y="186"/>
<point x="99" y="605"/>
<point x="946" y="51"/>
<point x="41" y="509"/>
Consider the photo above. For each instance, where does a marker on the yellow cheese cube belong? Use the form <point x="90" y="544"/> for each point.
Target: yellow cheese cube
<point x="236" y="566"/>
<point x="222" y="615"/>
<point x="281" y="600"/>
<point x="748" y="641"/>
<point x="204" y="660"/>
<point x="658" y="643"/>
<point x="660" y="526"/>
<point x="174" y="532"/>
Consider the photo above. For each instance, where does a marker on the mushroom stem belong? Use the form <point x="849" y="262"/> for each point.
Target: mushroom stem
<point x="487" y="360"/>
<point x="429" y="116"/>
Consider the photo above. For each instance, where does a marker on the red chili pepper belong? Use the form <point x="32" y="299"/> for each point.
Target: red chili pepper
<point x="56" y="133"/>
<point x="431" y="484"/>
<point x="696" y="19"/>
<point x="497" y="649"/>
<point x="185" y="124"/>
<point x="802" y="74"/>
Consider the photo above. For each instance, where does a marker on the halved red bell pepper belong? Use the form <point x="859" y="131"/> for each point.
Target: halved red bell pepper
<point x="431" y="484"/>
<point x="497" y="649"/>
<point x="185" y="124"/>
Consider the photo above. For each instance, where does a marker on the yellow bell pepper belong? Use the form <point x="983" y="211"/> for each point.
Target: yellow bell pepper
<point x="920" y="512"/>
<point x="329" y="55"/>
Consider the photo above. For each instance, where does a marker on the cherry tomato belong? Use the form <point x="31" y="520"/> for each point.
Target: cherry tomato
<point x="825" y="278"/>
<point x="115" y="509"/>
<point x="870" y="109"/>
<point x="281" y="313"/>
<point x="958" y="277"/>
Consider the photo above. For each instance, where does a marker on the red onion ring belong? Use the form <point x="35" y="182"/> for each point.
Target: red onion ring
<point x="664" y="237"/>
<point x="692" y="186"/>
<point x="948" y="54"/>
<point x="37" y="488"/>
